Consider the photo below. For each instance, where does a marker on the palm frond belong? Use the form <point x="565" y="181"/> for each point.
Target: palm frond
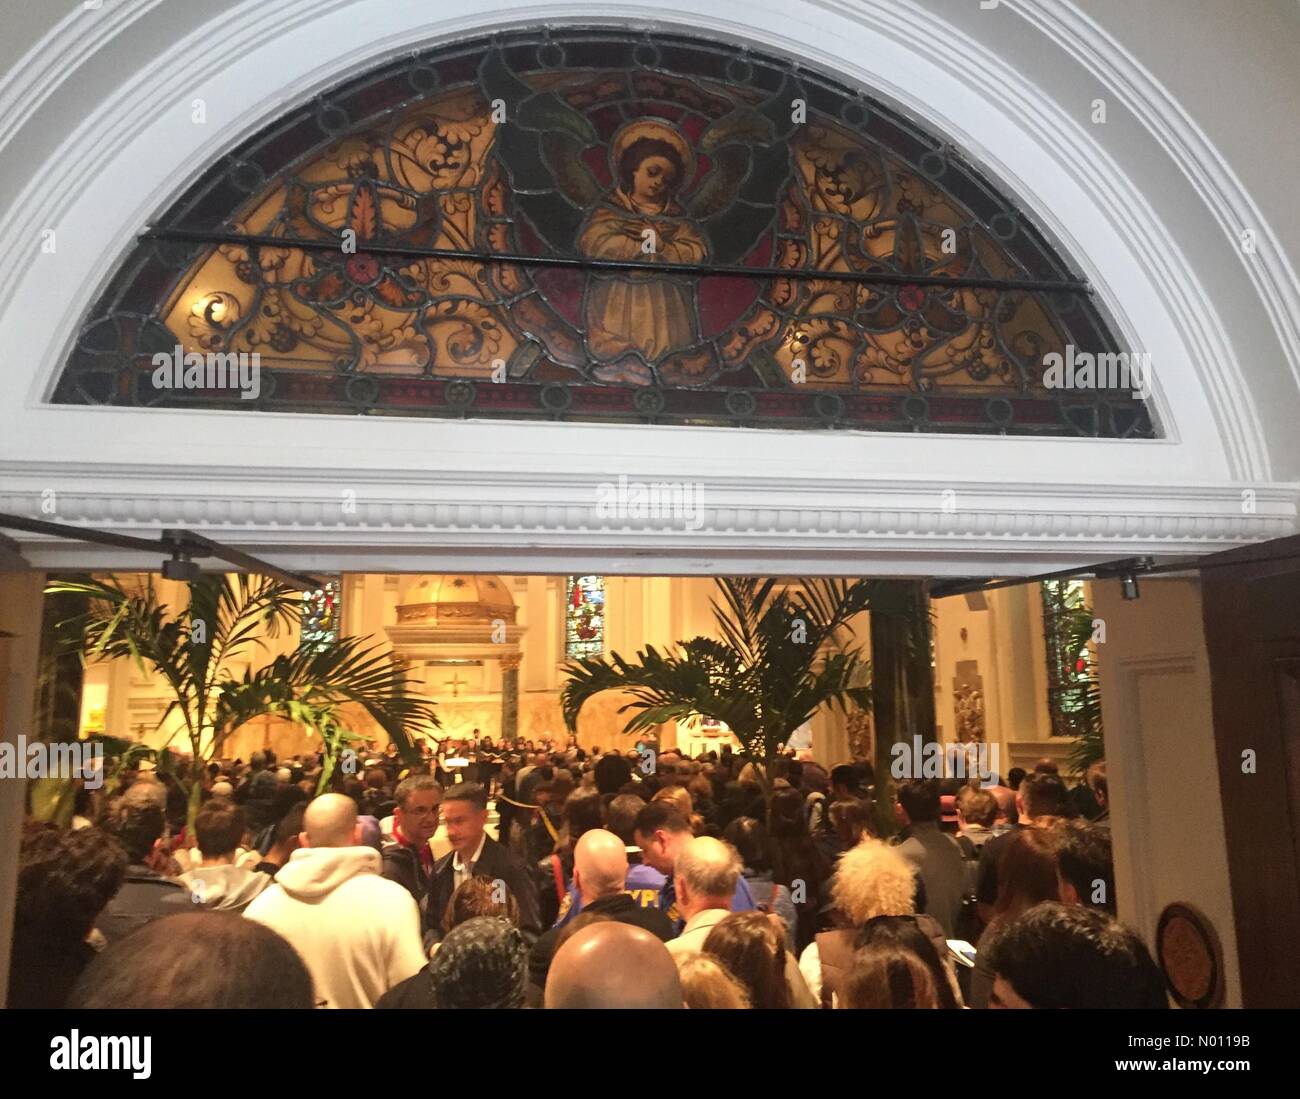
<point x="349" y="671"/>
<point x="194" y="648"/>
<point x="780" y="658"/>
<point x="1086" y="719"/>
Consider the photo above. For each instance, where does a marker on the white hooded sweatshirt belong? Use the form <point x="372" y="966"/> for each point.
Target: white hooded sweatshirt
<point x="225" y="888"/>
<point x="357" y="932"/>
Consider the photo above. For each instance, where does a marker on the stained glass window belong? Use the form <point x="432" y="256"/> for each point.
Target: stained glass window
<point x="321" y="614"/>
<point x="584" y="617"/>
<point x="596" y="225"/>
<point x="1071" y="670"/>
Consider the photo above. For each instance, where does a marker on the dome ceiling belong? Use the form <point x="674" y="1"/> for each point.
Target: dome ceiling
<point x="455" y="599"/>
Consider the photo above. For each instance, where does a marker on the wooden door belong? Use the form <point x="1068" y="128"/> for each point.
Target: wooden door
<point x="1251" y="606"/>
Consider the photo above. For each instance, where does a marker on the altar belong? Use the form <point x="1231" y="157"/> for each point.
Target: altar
<point x="705" y="736"/>
<point x="458" y="637"/>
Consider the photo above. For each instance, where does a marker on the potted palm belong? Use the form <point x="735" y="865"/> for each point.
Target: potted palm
<point x="195" y="651"/>
<point x="310" y="687"/>
<point x="785" y="651"/>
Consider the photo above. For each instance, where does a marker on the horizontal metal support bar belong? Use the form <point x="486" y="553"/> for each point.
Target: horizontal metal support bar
<point x="1108" y="570"/>
<point x="172" y="542"/>
<point x="1136" y="566"/>
<point x="81" y="534"/>
<point x="700" y="270"/>
<point x="196" y="545"/>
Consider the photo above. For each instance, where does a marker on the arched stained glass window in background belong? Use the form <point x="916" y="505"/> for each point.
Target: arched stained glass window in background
<point x="597" y="225"/>
<point x="321" y="615"/>
<point x="584" y="617"/>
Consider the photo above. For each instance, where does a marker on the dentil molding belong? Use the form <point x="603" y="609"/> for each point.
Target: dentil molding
<point x="406" y="520"/>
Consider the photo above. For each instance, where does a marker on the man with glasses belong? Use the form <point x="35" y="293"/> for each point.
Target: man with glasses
<point x="408" y="858"/>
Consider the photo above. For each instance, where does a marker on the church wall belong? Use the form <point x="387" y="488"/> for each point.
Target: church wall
<point x="539" y="614"/>
<point x="1167" y="817"/>
<point x="1020" y="665"/>
<point x="962" y="637"/>
<point x="1004" y="652"/>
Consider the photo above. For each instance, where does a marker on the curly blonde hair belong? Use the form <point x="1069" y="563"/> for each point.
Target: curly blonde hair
<point x="873" y="879"/>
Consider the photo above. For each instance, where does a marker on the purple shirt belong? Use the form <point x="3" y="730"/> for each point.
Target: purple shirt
<point x="644" y="884"/>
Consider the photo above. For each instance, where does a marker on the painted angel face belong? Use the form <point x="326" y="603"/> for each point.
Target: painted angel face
<point x="653" y="179"/>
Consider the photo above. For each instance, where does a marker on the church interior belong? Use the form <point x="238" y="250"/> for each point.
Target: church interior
<point x="501" y="336"/>
<point x="490" y="652"/>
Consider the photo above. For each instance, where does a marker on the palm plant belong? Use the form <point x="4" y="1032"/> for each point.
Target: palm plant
<point x="228" y="617"/>
<point x="781" y="658"/>
<point x="1085" y="716"/>
<point x="54" y="718"/>
<point x="54" y="798"/>
<point x="309" y="686"/>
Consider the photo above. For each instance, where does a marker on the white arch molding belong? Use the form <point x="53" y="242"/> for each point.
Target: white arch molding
<point x="523" y="496"/>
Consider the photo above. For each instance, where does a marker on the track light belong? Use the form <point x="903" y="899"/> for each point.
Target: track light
<point x="180" y="567"/>
<point x="1127" y="573"/>
<point x="183" y="545"/>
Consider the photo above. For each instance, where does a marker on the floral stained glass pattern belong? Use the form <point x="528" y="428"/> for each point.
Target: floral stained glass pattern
<point x="321" y="614"/>
<point x="593" y="225"/>
<point x="584" y="617"/>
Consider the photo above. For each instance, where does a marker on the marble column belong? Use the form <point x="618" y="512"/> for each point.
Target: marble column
<point x="510" y="697"/>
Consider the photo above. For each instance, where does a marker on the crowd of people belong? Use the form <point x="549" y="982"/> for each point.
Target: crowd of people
<point x="613" y="879"/>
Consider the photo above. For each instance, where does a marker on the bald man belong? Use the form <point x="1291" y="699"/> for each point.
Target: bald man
<point x="599" y="877"/>
<point x="613" y="965"/>
<point x="706" y="873"/>
<point x="357" y="932"/>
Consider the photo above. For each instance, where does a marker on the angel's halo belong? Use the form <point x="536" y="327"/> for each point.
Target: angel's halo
<point x="657" y="129"/>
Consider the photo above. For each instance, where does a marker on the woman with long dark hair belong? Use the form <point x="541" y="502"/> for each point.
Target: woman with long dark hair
<point x="752" y="947"/>
<point x="1026" y="877"/>
<point x="553" y="872"/>
<point x="798" y="863"/>
<point x="896" y="965"/>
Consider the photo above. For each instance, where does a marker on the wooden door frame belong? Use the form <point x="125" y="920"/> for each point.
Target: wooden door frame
<point x="1247" y="627"/>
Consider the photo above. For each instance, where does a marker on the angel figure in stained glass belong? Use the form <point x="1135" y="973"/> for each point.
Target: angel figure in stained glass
<point x="641" y="219"/>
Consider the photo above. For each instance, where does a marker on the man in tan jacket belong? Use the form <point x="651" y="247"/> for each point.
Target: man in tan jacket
<point x="706" y="873"/>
